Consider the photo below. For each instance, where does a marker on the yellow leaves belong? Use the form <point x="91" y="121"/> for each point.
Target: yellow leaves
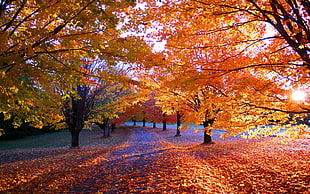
<point x="2" y="74"/>
<point x="13" y="90"/>
<point x="296" y="131"/>
<point x="1" y="131"/>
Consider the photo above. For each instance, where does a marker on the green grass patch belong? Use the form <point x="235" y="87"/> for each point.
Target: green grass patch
<point x="62" y="139"/>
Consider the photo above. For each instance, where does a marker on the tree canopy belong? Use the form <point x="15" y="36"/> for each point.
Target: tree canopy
<point x="45" y="44"/>
<point x="234" y="62"/>
<point x="252" y="55"/>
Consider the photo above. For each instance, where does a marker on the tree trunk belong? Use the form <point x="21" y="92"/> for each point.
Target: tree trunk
<point x="154" y="125"/>
<point x="178" y="124"/>
<point x="207" y="137"/>
<point x="106" y="129"/>
<point x="134" y="122"/>
<point x="74" y="139"/>
<point x="113" y="126"/>
<point x="164" y="122"/>
<point x="106" y="132"/>
<point x="143" y="122"/>
<point x="76" y="124"/>
<point x="207" y="133"/>
<point x="76" y="112"/>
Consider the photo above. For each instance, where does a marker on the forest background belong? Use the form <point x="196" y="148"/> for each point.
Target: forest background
<point x="229" y="65"/>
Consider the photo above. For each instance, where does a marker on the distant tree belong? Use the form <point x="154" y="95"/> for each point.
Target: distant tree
<point x="115" y="97"/>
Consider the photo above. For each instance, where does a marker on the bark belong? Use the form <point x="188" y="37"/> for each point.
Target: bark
<point x="106" y="128"/>
<point x="207" y="137"/>
<point x="106" y="132"/>
<point x="76" y="112"/>
<point x="164" y="122"/>
<point x="76" y="124"/>
<point x="113" y="126"/>
<point x="178" y="124"/>
<point x="75" y="139"/>
<point x="143" y="122"/>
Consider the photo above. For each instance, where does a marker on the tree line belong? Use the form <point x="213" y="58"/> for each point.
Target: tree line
<point x="231" y="65"/>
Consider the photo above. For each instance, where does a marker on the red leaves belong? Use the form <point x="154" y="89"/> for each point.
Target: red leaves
<point x="173" y="164"/>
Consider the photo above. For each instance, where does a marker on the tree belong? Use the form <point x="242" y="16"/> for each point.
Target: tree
<point x="105" y="93"/>
<point x="77" y="105"/>
<point x="115" y="97"/>
<point x="289" y="19"/>
<point x="179" y="116"/>
<point x="152" y="112"/>
<point x="76" y="112"/>
<point x="199" y="108"/>
<point x="231" y="46"/>
<point x="154" y="84"/>
<point x="223" y="21"/>
<point x="44" y="44"/>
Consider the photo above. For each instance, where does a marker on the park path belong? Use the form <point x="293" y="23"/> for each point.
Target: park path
<point x="145" y="160"/>
<point x="133" y="167"/>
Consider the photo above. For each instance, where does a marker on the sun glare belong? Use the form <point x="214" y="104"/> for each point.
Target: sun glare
<point x="299" y="95"/>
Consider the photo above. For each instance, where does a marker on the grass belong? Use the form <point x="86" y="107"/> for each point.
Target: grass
<point x="48" y="140"/>
<point x="61" y="139"/>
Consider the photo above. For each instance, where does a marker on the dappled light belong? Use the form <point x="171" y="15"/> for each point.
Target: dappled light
<point x="161" y="163"/>
<point x="151" y="96"/>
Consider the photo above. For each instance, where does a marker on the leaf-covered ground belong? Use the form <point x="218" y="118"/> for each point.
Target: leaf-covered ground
<point x="138" y="160"/>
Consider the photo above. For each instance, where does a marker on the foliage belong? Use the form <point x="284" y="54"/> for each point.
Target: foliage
<point x="247" y="53"/>
<point x="9" y="132"/>
<point x="104" y="94"/>
<point x="229" y="166"/>
<point x="116" y="95"/>
<point x="44" y="46"/>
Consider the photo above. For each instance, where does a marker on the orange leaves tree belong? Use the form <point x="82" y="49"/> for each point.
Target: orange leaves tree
<point x="253" y="53"/>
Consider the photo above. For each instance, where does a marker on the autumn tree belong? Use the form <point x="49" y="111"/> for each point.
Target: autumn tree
<point x="77" y="105"/>
<point x="76" y="111"/>
<point x="256" y="47"/>
<point x="134" y="113"/>
<point x="246" y="39"/>
<point x="152" y="113"/>
<point x="155" y="84"/>
<point x="115" y="97"/>
<point x="43" y="44"/>
<point x="198" y="106"/>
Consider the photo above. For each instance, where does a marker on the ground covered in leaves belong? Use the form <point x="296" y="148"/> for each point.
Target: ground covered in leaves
<point x="146" y="160"/>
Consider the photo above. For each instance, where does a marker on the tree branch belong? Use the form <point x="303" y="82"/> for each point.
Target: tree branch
<point x="8" y="25"/>
<point x="61" y="26"/>
<point x="277" y="109"/>
<point x="250" y="66"/>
